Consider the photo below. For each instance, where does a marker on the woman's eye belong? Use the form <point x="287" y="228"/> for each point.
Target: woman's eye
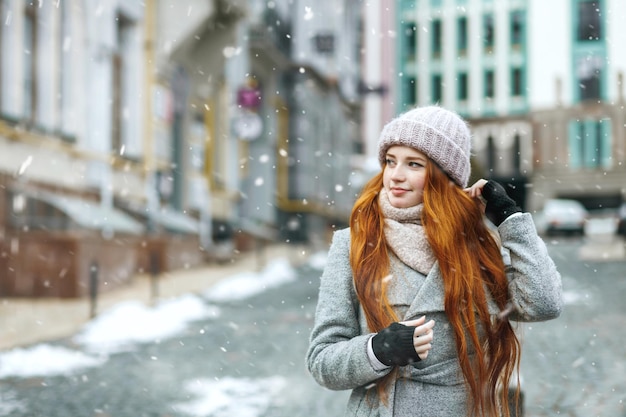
<point x="389" y="161"/>
<point x="416" y="164"/>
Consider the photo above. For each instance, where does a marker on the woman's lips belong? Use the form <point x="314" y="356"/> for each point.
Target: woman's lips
<point x="397" y="192"/>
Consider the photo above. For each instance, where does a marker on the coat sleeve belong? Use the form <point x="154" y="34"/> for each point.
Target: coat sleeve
<point x="534" y="282"/>
<point x="337" y="354"/>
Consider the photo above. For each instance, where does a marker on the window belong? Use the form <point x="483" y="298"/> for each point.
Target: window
<point x="436" y="40"/>
<point x="65" y="83"/>
<point x="30" y="63"/>
<point x="462" y="35"/>
<point x="517" y="82"/>
<point x="116" y="105"/>
<point x="411" y="91"/>
<point x="491" y="154"/>
<point x="437" y="89"/>
<point x="489" y="32"/>
<point x="517" y="154"/>
<point x="120" y="69"/>
<point x="462" y="87"/>
<point x="589" y="21"/>
<point x="32" y="214"/>
<point x="517" y="29"/>
<point x="590" y="143"/>
<point x="410" y="34"/>
<point x="589" y="76"/>
<point x="489" y="84"/>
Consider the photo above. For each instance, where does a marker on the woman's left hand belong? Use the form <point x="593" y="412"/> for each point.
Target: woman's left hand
<point x="494" y="200"/>
<point x="476" y="191"/>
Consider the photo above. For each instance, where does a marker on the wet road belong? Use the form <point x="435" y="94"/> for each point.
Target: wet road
<point x="249" y="361"/>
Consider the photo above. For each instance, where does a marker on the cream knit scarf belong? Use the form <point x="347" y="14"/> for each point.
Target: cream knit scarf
<point x="405" y="234"/>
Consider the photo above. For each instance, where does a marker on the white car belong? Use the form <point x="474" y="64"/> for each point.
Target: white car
<point x="562" y="216"/>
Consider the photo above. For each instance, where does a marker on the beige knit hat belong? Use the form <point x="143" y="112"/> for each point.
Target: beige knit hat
<point x="439" y="133"/>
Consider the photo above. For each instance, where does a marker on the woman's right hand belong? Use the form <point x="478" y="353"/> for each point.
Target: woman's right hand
<point x="422" y="335"/>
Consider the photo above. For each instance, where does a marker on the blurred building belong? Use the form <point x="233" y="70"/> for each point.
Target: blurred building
<point x="272" y="109"/>
<point x="86" y="197"/>
<point x="280" y="117"/>
<point x="542" y="87"/>
<point x="148" y="136"/>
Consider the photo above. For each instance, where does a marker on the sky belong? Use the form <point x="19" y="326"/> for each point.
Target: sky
<point x="130" y="323"/>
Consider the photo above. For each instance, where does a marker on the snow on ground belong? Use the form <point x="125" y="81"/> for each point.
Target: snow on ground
<point x="247" y="284"/>
<point x="241" y="397"/>
<point x="120" y="328"/>
<point x="44" y="359"/>
<point x="129" y="323"/>
<point x="318" y="260"/>
<point x="132" y="322"/>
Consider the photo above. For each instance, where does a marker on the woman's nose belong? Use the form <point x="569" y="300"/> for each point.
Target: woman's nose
<point x="397" y="173"/>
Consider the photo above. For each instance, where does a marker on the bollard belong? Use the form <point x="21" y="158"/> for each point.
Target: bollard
<point x="155" y="270"/>
<point x="93" y="288"/>
<point x="260" y="253"/>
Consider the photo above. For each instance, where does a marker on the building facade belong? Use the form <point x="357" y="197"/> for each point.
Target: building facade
<point x="272" y="106"/>
<point x="99" y="180"/>
<point x="145" y="136"/>
<point x="541" y="87"/>
<point x="283" y="121"/>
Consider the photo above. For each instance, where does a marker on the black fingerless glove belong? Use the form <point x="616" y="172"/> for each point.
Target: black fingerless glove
<point x="393" y="346"/>
<point x="499" y="204"/>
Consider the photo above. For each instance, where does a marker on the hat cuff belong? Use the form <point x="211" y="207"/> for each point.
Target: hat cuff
<point x="447" y="154"/>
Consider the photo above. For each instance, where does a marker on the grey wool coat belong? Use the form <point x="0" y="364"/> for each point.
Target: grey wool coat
<point x="337" y="355"/>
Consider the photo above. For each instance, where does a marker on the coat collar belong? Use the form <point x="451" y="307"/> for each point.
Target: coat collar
<point x="431" y="295"/>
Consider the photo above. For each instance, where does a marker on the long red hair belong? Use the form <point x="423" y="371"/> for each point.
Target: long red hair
<point x="470" y="262"/>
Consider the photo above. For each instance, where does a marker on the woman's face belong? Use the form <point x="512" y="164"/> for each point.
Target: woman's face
<point x="404" y="176"/>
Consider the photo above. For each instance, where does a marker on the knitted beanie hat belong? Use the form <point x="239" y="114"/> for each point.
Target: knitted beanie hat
<point x="440" y="134"/>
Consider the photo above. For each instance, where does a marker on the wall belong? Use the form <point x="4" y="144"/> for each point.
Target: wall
<point x="39" y="264"/>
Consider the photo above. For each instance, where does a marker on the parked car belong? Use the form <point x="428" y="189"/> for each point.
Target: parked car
<point x="621" y="220"/>
<point x="562" y="216"/>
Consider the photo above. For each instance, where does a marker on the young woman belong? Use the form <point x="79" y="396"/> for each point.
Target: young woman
<point x="416" y="299"/>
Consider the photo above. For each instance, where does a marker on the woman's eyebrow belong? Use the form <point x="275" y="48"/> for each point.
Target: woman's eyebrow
<point x="419" y="158"/>
<point x="415" y="158"/>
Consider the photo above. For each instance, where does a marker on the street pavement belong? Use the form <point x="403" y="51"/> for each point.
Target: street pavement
<point x="249" y="361"/>
<point x="576" y="365"/>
